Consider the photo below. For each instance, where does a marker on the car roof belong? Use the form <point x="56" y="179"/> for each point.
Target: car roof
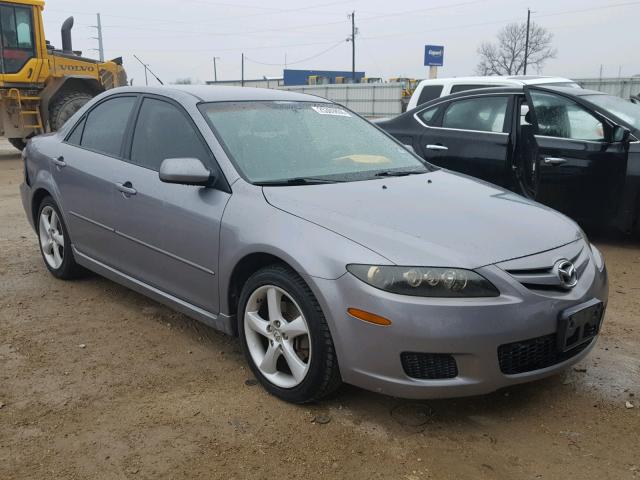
<point x="218" y="93"/>
<point x="514" y="79"/>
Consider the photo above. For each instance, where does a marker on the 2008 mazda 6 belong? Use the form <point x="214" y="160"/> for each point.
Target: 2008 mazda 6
<point x="333" y="252"/>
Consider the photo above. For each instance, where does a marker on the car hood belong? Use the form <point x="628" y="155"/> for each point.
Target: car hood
<point x="434" y="219"/>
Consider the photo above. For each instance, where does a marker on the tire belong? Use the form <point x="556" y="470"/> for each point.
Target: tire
<point x="19" y="143"/>
<point x="64" y="106"/>
<point x="55" y="244"/>
<point x="294" y="300"/>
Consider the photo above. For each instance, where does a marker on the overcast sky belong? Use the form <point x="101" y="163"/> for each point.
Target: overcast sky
<point x="179" y="38"/>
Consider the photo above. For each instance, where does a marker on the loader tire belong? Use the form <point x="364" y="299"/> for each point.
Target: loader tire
<point x="64" y="106"/>
<point x="19" y="143"/>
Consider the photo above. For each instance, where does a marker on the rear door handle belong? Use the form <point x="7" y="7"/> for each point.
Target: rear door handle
<point x="436" y="147"/>
<point x="59" y="161"/>
<point x="554" y="161"/>
<point x="126" y="188"/>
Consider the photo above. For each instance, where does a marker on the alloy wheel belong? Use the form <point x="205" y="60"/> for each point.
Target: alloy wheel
<point x="277" y="336"/>
<point x="51" y="237"/>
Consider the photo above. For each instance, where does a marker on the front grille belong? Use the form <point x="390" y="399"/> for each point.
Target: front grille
<point x="534" y="354"/>
<point x="429" y="366"/>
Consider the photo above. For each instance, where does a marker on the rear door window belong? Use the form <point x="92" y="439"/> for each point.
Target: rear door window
<point x="428" y="116"/>
<point x="106" y="125"/>
<point x="428" y="93"/>
<point x="76" y="136"/>
<point x="484" y="114"/>
<point x="163" y="131"/>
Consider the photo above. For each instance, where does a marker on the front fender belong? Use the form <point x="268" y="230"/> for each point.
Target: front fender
<point x="251" y="225"/>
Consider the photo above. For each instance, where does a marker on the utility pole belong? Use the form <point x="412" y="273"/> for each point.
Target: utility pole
<point x="242" y="78"/>
<point x="526" y="44"/>
<point x="215" y="70"/>
<point x="100" y="48"/>
<point x="352" y="39"/>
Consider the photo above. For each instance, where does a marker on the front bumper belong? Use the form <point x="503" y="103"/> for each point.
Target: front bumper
<point x="25" y="195"/>
<point x="470" y="330"/>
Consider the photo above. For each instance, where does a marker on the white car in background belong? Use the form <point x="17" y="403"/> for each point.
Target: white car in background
<point x="431" y="89"/>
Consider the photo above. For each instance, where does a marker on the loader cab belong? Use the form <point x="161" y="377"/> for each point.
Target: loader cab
<point x="17" y="45"/>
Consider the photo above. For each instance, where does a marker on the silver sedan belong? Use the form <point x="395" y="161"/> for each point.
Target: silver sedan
<point x="333" y="252"/>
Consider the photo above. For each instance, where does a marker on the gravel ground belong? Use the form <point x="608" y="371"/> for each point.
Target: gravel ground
<point x="99" y="382"/>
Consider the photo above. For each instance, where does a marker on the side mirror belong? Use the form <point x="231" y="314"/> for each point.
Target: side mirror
<point x="185" y="171"/>
<point x="620" y="134"/>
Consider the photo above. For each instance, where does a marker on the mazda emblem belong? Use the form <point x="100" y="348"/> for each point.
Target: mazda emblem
<point x="567" y="273"/>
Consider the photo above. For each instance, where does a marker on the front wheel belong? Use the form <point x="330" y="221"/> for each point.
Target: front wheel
<point x="285" y="336"/>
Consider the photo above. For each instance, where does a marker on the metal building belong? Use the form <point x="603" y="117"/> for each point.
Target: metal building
<point x="319" y="77"/>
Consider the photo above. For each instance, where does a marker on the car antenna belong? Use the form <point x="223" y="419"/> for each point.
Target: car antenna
<point x="147" y="69"/>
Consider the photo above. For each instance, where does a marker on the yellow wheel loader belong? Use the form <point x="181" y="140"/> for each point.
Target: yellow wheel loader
<point x="41" y="86"/>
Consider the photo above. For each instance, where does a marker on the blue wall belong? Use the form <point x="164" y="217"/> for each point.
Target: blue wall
<point x="300" y="77"/>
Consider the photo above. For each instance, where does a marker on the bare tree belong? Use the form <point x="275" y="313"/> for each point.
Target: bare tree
<point x="506" y="57"/>
<point x="184" y="81"/>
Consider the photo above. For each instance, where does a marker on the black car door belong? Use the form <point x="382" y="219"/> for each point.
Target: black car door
<point x="468" y="135"/>
<point x="580" y="169"/>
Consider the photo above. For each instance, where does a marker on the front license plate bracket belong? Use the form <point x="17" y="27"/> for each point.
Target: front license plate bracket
<point x="579" y="324"/>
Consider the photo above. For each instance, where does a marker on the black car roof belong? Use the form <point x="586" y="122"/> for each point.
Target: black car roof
<point x="572" y="91"/>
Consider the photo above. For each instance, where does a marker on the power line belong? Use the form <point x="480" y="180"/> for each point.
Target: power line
<point x="495" y="22"/>
<point x="274" y="11"/>
<point x="297" y="61"/>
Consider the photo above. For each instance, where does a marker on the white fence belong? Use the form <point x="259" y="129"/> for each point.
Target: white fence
<point x="369" y="100"/>
<point x="622" y="87"/>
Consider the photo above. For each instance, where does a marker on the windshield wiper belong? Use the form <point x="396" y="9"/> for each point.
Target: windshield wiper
<point x="399" y="173"/>
<point x="295" y="181"/>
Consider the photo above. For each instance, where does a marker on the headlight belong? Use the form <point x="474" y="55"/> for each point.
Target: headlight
<point x="597" y="257"/>
<point x="425" y="281"/>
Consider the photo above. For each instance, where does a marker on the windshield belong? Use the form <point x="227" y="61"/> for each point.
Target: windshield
<point x="276" y="141"/>
<point x="623" y="109"/>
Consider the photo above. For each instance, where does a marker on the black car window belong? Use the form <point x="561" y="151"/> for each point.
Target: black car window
<point x="467" y="86"/>
<point x="485" y="114"/>
<point x="76" y="135"/>
<point x="106" y="124"/>
<point x="428" y="116"/>
<point x="559" y="116"/>
<point x="162" y="132"/>
<point x="428" y="93"/>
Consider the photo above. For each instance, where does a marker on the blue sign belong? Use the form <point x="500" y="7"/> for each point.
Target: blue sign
<point x="433" y="55"/>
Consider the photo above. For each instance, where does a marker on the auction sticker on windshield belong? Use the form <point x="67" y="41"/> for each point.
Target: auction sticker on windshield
<point x="331" y="111"/>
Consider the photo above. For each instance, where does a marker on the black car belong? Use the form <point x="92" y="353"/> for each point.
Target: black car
<point x="572" y="149"/>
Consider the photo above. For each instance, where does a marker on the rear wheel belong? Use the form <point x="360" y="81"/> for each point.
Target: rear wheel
<point x="285" y="336"/>
<point x="55" y="245"/>
<point x="19" y="143"/>
<point x="64" y="106"/>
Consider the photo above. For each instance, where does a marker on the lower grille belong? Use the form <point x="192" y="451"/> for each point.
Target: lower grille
<point x="429" y="366"/>
<point x="534" y="354"/>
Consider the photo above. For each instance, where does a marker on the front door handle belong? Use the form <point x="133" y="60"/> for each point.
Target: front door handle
<point x="59" y="161"/>
<point x="126" y="188"/>
<point x="436" y="147"/>
<point x="554" y="161"/>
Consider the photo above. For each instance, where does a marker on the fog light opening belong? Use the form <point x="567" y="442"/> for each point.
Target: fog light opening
<point x="368" y="317"/>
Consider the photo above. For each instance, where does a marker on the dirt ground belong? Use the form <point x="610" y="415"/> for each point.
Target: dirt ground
<point x="99" y="382"/>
